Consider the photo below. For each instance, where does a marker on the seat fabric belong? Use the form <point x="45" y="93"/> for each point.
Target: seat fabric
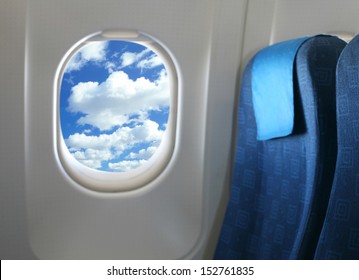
<point x="340" y="235"/>
<point x="280" y="187"/>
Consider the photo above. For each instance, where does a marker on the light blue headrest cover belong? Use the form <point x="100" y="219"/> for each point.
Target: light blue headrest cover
<point x="273" y="89"/>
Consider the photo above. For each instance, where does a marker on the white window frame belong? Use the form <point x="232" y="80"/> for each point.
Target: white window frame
<point x="103" y="181"/>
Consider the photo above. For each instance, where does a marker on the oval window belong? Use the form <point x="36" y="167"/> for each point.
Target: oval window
<point x="116" y="105"/>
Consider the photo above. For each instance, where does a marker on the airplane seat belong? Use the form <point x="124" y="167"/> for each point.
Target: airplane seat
<point x="285" y="152"/>
<point x="339" y="238"/>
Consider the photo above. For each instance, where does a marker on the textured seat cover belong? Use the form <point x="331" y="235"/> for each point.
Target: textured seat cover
<point x="280" y="187"/>
<point x="340" y="235"/>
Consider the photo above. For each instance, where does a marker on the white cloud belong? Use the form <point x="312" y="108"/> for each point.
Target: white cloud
<point x="150" y="62"/>
<point x="126" y="165"/>
<point x="110" y="66"/>
<point x="143" y="153"/>
<point x="145" y="59"/>
<point x="93" y="150"/>
<point x="93" y="158"/>
<point x="94" y="51"/>
<point x="129" y="58"/>
<point x="114" y="101"/>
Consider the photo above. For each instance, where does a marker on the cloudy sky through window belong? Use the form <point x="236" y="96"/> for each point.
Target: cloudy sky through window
<point x="114" y="105"/>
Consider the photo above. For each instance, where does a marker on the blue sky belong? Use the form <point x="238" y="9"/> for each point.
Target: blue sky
<point x="114" y="105"/>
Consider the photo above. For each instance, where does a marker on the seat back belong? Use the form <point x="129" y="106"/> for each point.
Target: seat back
<point x="280" y="186"/>
<point x="340" y="235"/>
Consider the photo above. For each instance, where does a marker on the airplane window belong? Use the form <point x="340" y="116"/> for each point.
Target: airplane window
<point x="114" y="105"/>
<point x="116" y="111"/>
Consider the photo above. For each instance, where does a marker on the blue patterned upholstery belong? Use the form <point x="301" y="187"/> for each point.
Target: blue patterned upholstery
<point x="340" y="235"/>
<point x="280" y="187"/>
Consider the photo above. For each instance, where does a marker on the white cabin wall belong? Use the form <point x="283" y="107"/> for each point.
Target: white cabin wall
<point x="204" y="37"/>
<point x="13" y="231"/>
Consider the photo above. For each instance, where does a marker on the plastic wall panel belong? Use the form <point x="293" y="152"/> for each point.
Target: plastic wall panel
<point x="167" y="218"/>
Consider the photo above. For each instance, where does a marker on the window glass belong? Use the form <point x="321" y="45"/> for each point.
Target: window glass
<point x="114" y="105"/>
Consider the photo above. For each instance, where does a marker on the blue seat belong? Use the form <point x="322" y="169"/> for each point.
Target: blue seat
<point x="340" y="235"/>
<point x="281" y="185"/>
